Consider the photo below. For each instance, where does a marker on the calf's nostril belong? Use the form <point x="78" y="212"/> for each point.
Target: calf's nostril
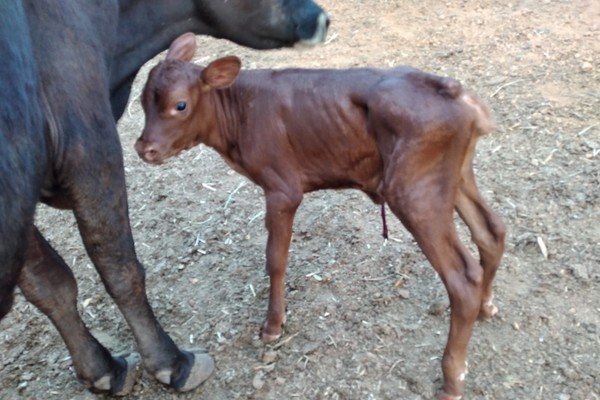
<point x="150" y="154"/>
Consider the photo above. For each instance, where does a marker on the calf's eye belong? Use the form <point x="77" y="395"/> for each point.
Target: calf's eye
<point x="180" y="106"/>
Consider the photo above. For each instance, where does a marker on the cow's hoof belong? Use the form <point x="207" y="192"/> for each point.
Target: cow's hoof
<point x="200" y="367"/>
<point x="131" y="376"/>
<point x="128" y="371"/>
<point x="203" y="367"/>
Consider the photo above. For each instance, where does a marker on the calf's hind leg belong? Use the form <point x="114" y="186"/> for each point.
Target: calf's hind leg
<point x="48" y="283"/>
<point x="429" y="217"/>
<point x="487" y="230"/>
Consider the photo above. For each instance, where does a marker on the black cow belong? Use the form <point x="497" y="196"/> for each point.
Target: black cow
<point x="22" y="154"/>
<point x="87" y="54"/>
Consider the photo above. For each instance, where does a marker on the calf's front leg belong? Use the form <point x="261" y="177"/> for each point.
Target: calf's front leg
<point x="281" y="209"/>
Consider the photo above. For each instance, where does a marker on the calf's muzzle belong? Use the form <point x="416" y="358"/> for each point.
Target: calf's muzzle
<point x="148" y="151"/>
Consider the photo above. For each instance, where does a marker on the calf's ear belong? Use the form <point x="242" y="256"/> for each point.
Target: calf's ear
<point x="182" y="48"/>
<point x="221" y="73"/>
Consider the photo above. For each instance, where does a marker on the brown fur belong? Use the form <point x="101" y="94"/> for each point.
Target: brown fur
<point x="402" y="136"/>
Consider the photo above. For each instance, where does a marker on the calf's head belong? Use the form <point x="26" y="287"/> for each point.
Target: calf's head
<point x="178" y="102"/>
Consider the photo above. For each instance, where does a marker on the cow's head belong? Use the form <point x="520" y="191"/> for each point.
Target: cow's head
<point x="265" y="24"/>
<point x="176" y="100"/>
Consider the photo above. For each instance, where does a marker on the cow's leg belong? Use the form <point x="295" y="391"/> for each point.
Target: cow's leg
<point x="425" y="207"/>
<point x="11" y="261"/>
<point x="9" y="273"/>
<point x="48" y="283"/>
<point x="487" y="230"/>
<point x="14" y="235"/>
<point x="281" y="209"/>
<point x="100" y="205"/>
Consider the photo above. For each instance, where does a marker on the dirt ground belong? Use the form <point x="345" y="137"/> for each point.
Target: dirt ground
<point x="368" y="319"/>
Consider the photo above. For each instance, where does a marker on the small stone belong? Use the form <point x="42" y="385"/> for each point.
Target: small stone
<point x="269" y="356"/>
<point x="516" y="326"/>
<point x="580" y="271"/>
<point x="586" y="67"/>
<point x="437" y="309"/>
<point x="258" y="382"/>
<point x="268" y="368"/>
<point x="403" y="294"/>
<point x="570" y="374"/>
<point x="385" y="330"/>
<point x="220" y="338"/>
<point x="311" y="347"/>
<point x="280" y="381"/>
<point x="27" y="376"/>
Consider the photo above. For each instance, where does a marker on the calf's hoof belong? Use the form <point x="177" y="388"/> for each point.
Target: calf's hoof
<point x="445" y="396"/>
<point x="269" y="338"/>
<point x="200" y="366"/>
<point x="456" y="385"/>
<point x="488" y="310"/>
<point x="269" y="334"/>
<point x="128" y="371"/>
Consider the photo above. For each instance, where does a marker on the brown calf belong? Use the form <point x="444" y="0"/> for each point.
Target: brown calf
<point x="402" y="136"/>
